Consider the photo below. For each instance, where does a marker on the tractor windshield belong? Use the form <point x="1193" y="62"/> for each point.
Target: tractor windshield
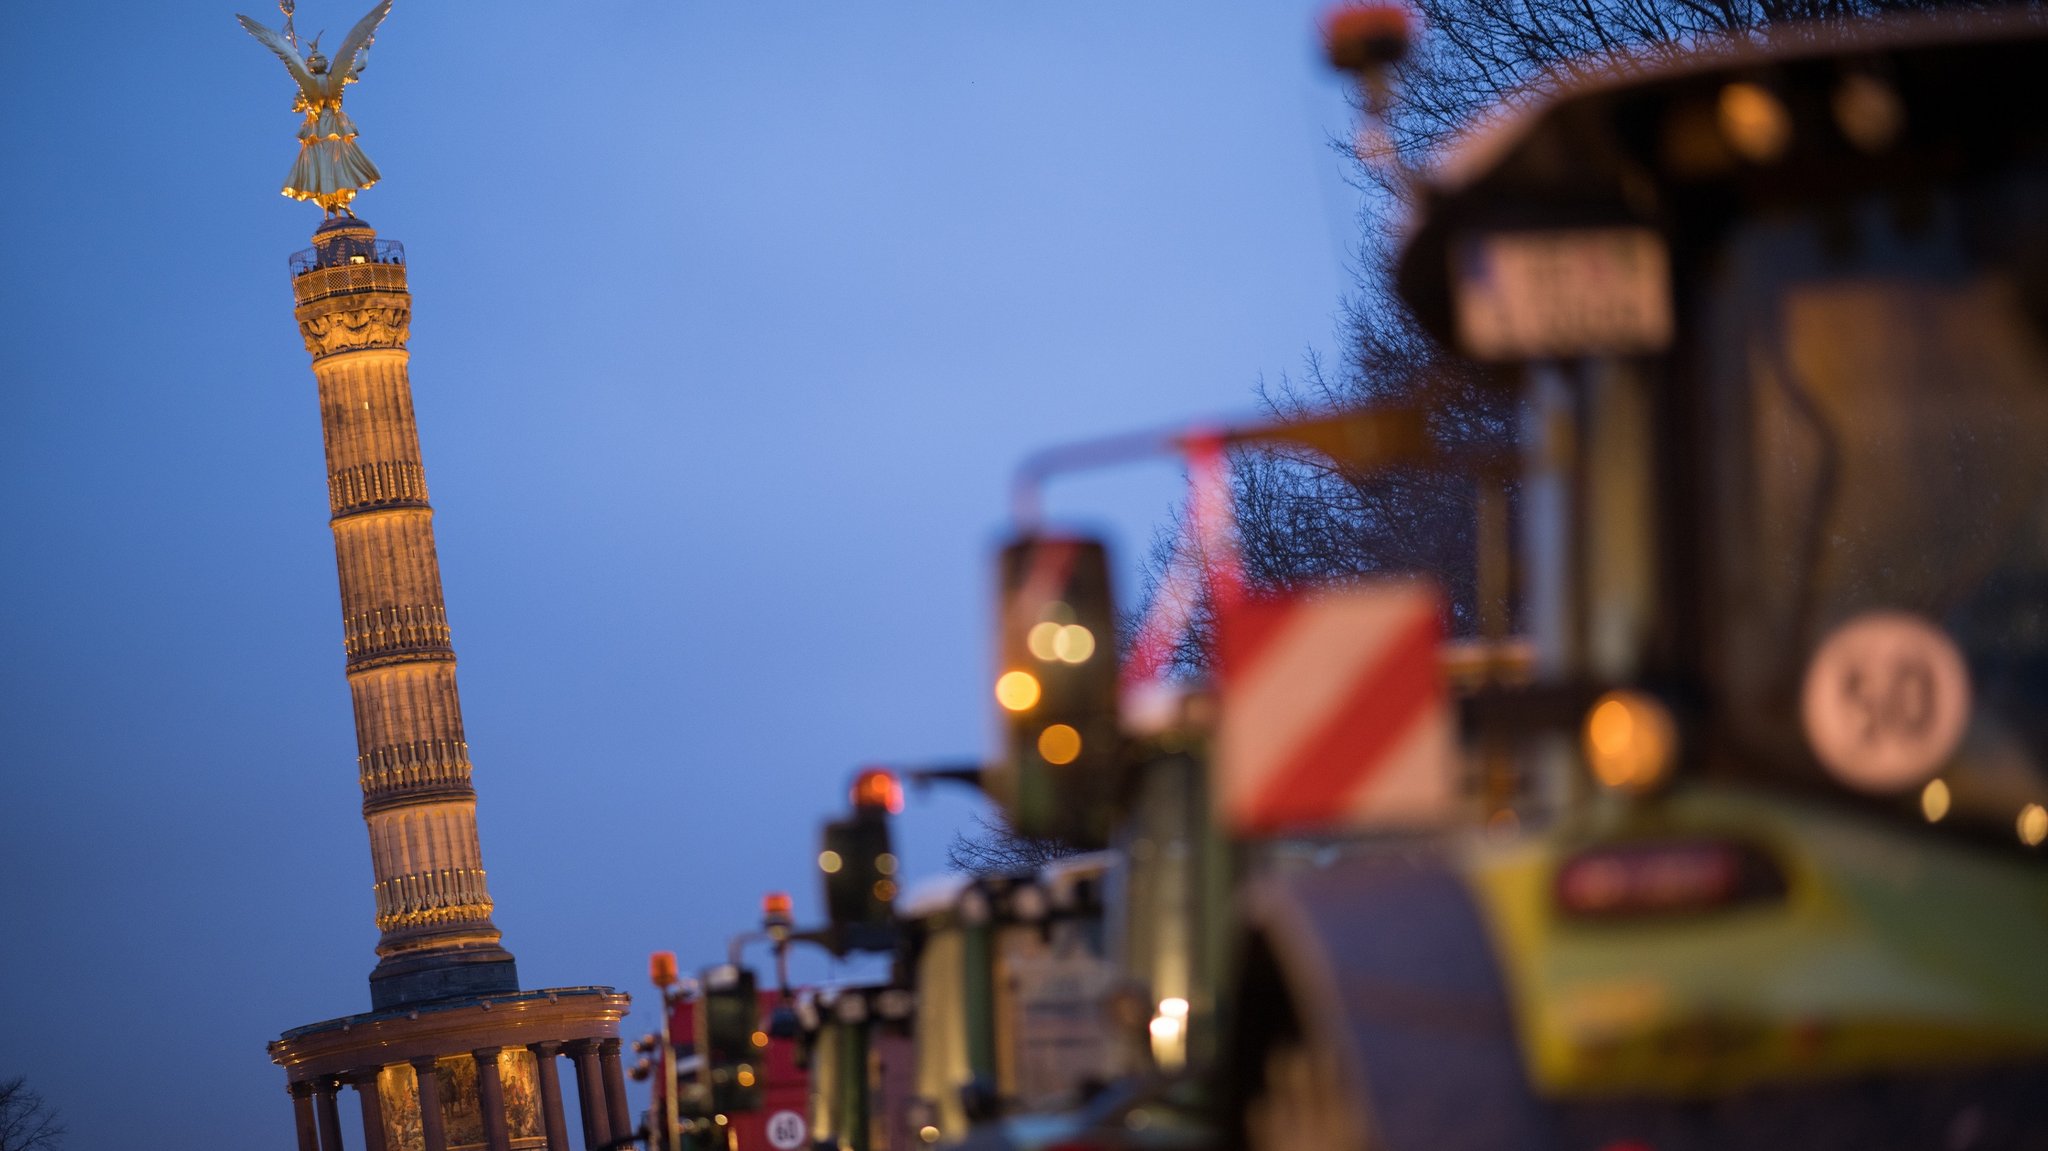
<point x="1878" y="406"/>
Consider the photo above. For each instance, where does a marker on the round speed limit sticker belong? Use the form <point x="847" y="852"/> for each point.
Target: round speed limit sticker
<point x="786" y="1131"/>
<point x="1886" y="698"/>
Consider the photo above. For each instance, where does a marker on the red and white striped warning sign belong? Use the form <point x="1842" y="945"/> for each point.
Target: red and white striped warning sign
<point x="1335" y="713"/>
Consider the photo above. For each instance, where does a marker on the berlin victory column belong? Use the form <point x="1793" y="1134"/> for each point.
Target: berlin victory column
<point x="452" y="1054"/>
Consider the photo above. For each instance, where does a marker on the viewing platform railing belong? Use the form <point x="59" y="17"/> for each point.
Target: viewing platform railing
<point x="347" y="268"/>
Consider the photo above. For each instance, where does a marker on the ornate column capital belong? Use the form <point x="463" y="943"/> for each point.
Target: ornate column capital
<point x="356" y="323"/>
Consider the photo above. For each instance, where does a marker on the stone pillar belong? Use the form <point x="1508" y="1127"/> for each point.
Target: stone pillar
<point x="365" y="1083"/>
<point x="616" y="1107"/>
<point x="490" y="1099"/>
<point x="556" y="1123"/>
<point x="330" y="1115"/>
<point x="302" y="1112"/>
<point x="433" y="1133"/>
<point x="590" y="1094"/>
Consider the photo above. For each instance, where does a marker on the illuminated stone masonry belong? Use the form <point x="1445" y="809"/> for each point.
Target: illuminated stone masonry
<point x="433" y="905"/>
<point x="452" y="1055"/>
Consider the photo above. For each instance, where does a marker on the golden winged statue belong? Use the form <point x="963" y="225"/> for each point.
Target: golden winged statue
<point x="330" y="169"/>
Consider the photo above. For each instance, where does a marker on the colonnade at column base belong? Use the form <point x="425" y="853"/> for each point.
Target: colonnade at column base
<point x="479" y="1072"/>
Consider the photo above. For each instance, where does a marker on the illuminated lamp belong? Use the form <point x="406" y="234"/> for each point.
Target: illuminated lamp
<point x="1630" y="741"/>
<point x="877" y="789"/>
<point x="661" y="969"/>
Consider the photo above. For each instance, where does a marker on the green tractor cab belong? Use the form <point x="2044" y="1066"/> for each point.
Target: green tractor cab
<point x="1769" y="868"/>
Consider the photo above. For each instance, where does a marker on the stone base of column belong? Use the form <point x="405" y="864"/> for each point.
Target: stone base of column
<point x="432" y="976"/>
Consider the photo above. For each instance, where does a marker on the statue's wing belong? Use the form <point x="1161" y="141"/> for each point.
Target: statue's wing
<point x="348" y="57"/>
<point x="286" y="53"/>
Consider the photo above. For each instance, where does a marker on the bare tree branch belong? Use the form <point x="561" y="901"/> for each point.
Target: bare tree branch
<point x="993" y="848"/>
<point x="26" y="1122"/>
<point x="1302" y="520"/>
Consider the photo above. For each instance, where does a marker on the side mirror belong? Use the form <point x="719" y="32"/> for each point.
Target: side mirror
<point x="1057" y="688"/>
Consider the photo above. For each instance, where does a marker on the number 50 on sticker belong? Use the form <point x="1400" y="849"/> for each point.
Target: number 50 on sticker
<point x="1886" y="699"/>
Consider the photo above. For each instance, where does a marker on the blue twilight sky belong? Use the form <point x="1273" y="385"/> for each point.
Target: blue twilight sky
<point x="730" y="321"/>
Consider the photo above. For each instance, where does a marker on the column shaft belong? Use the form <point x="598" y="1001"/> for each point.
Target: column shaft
<point x="490" y="1099"/>
<point x="302" y="1112"/>
<point x="433" y="905"/>
<point x="590" y="1095"/>
<point x="432" y="1131"/>
<point x="365" y="1083"/>
<point x="556" y="1123"/>
<point x="330" y="1114"/>
<point x="616" y="1108"/>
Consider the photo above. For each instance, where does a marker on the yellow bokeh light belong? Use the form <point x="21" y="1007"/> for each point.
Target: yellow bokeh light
<point x="1934" y="799"/>
<point x="1629" y="741"/>
<point x="885" y="863"/>
<point x="745" y="1077"/>
<point x="1017" y="690"/>
<point x="2033" y="824"/>
<point x="1059" y="744"/>
<point x="1042" y="638"/>
<point x="829" y="862"/>
<point x="1169" y="1040"/>
<point x="760" y="1038"/>
<point x="1074" y="644"/>
<point x="1755" y="121"/>
<point x="1609" y="728"/>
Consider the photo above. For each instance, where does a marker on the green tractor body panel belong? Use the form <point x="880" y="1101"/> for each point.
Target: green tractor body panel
<point x="1885" y="953"/>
